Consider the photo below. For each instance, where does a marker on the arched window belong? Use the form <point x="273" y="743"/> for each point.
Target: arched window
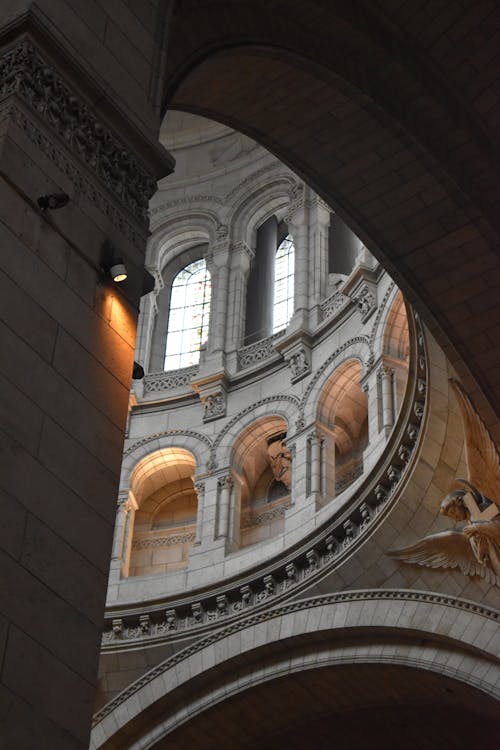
<point x="189" y="316"/>
<point x="283" y="284"/>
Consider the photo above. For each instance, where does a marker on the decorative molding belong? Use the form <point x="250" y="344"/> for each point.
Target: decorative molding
<point x="344" y="597"/>
<point x="163" y="541"/>
<point x="260" y="350"/>
<point x="167" y="433"/>
<point x="25" y="74"/>
<point x="344" y="479"/>
<point x="380" y="312"/>
<point x="250" y="409"/>
<point x="77" y="176"/>
<point x="185" y="200"/>
<point x="214" y="405"/>
<point x="334" y="304"/>
<point x="254" y="517"/>
<point x="250" y="178"/>
<point x="300" y="364"/>
<point x="164" y="381"/>
<point x="365" y="300"/>
<point x="342" y="348"/>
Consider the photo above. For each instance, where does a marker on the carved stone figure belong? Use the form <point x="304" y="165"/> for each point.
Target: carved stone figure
<point x="473" y="504"/>
<point x="280" y="459"/>
<point x="299" y="365"/>
<point x="214" y="406"/>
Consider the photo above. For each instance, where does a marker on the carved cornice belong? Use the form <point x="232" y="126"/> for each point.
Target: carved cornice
<point x="344" y="597"/>
<point x="25" y="74"/>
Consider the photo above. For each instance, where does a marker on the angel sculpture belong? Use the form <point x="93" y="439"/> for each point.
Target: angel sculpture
<point x="473" y="546"/>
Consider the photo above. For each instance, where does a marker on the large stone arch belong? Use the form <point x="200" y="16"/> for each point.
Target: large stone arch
<point x="421" y="630"/>
<point x="413" y="174"/>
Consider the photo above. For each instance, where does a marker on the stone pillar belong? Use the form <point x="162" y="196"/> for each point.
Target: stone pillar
<point x="297" y="223"/>
<point x="122" y="539"/>
<point x="200" y="492"/>
<point x="225" y="486"/>
<point x="319" y="228"/>
<point x="70" y="334"/>
<point x="241" y="255"/>
<point x="218" y="265"/>
<point x="147" y="319"/>
<point x="260" y="291"/>
<point x="385" y="376"/>
<point x="315" y="444"/>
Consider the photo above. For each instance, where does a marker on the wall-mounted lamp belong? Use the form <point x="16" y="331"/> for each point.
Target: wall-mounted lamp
<point x="111" y="264"/>
<point x="137" y="372"/>
<point x="52" y="201"/>
<point x="117" y="270"/>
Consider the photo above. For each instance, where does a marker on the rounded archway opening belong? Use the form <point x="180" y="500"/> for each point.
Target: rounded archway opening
<point x="342" y="419"/>
<point x="262" y="464"/>
<point x="165" y="519"/>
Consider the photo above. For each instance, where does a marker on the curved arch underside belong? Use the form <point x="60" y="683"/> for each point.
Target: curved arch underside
<point x="342" y="707"/>
<point x="381" y="126"/>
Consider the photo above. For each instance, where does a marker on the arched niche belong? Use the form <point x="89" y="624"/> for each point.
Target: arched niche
<point x="165" y="519"/>
<point x="396" y="348"/>
<point x="261" y="464"/>
<point x="342" y="420"/>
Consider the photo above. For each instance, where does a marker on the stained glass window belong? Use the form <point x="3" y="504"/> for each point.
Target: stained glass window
<point x="189" y="316"/>
<point x="283" y="284"/>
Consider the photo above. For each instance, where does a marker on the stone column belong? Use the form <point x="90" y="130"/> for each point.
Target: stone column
<point x="385" y="376"/>
<point x="297" y="223"/>
<point x="241" y="256"/>
<point x="122" y="538"/>
<point x="319" y="228"/>
<point x="260" y="291"/>
<point x="225" y="486"/>
<point x="218" y="265"/>
<point x="315" y="443"/>
<point x="200" y="492"/>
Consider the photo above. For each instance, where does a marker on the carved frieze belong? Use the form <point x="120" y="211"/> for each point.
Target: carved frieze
<point x="214" y="405"/>
<point x="163" y="381"/>
<point x="25" y="74"/>
<point x="261" y="350"/>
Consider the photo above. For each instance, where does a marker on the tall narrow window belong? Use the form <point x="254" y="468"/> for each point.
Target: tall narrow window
<point x="189" y="316"/>
<point x="283" y="284"/>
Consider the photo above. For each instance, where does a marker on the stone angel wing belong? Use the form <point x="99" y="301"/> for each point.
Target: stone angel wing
<point x="447" y="549"/>
<point x="483" y="459"/>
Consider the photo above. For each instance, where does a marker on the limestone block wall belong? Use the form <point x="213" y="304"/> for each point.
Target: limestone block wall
<point x="67" y="346"/>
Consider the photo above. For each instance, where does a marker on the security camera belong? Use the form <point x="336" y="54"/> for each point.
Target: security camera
<point x="52" y="201"/>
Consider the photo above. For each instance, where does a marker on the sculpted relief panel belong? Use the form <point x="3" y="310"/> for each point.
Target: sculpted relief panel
<point x="473" y="545"/>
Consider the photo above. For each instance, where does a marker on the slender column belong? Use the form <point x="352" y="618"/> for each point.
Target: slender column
<point x="147" y="317"/>
<point x="119" y="558"/>
<point x="131" y="507"/>
<point x="225" y="485"/>
<point x="241" y="255"/>
<point x="121" y="518"/>
<point x="385" y="375"/>
<point x="200" y="491"/>
<point x="259" y="298"/>
<point x="319" y="228"/>
<point x="315" y="441"/>
<point x="297" y="222"/>
<point x="218" y="265"/>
